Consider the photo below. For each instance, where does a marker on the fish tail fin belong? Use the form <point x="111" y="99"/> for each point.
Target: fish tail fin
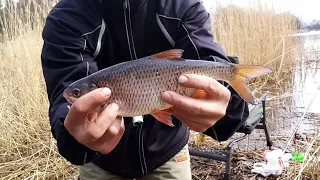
<point x="240" y="80"/>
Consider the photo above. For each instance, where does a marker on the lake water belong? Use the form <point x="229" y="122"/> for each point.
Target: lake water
<point x="306" y="82"/>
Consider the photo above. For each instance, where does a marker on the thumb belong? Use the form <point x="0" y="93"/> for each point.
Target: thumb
<point x="85" y="103"/>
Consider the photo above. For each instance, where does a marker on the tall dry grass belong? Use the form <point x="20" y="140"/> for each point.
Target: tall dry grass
<point x="27" y="148"/>
<point x="257" y="35"/>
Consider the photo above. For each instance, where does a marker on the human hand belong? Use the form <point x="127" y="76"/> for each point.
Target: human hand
<point x="93" y="126"/>
<point x="199" y="114"/>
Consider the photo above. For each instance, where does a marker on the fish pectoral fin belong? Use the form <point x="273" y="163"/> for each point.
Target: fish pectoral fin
<point x="199" y="94"/>
<point x="174" y="54"/>
<point x="163" y="116"/>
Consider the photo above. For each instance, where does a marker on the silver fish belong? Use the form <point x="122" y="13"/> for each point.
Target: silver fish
<point x="137" y="85"/>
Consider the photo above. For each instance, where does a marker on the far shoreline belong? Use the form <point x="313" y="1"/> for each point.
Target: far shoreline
<point x="306" y="33"/>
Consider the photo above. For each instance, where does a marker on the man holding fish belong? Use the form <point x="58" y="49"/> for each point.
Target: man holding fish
<point x="112" y="61"/>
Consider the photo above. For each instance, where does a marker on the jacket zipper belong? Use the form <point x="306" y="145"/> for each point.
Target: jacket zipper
<point x="126" y="7"/>
<point x="130" y="26"/>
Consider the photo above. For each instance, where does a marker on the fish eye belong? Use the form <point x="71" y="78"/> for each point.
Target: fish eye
<point x="76" y="93"/>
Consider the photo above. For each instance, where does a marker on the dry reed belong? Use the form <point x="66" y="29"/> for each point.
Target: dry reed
<point x="27" y="148"/>
<point x="257" y="35"/>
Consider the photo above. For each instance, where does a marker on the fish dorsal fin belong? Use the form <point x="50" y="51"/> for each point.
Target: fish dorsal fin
<point x="174" y="54"/>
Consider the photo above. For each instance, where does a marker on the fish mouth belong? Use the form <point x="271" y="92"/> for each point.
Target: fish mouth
<point x="70" y="99"/>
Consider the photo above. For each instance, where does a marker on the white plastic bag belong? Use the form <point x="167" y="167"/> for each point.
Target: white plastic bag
<point x="275" y="162"/>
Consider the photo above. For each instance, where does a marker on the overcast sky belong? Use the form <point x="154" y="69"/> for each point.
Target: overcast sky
<point x="306" y="9"/>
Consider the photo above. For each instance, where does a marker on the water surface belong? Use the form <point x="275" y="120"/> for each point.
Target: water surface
<point x="306" y="81"/>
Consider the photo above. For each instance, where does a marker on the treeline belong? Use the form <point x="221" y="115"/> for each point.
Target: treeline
<point x="314" y="25"/>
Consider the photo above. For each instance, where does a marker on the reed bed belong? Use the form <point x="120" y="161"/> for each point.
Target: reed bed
<point x="257" y="35"/>
<point x="27" y="148"/>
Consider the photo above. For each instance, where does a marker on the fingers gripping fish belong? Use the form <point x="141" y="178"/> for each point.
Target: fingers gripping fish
<point x="137" y="85"/>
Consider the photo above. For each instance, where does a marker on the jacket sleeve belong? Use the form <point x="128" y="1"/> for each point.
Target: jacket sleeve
<point x="198" y="44"/>
<point x="64" y="59"/>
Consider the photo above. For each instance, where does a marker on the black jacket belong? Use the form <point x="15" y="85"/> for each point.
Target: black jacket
<point x="84" y="36"/>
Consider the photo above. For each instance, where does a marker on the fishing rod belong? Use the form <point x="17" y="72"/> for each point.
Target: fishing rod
<point x="301" y="120"/>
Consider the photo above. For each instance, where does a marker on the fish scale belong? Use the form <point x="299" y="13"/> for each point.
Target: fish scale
<point x="137" y="85"/>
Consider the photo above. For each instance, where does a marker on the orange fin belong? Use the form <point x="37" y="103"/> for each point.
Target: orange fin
<point x="163" y="116"/>
<point x="199" y="94"/>
<point x="167" y="110"/>
<point x="240" y="82"/>
<point x="251" y="71"/>
<point x="174" y="54"/>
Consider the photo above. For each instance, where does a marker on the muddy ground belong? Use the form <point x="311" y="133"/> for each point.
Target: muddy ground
<point x="250" y="150"/>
